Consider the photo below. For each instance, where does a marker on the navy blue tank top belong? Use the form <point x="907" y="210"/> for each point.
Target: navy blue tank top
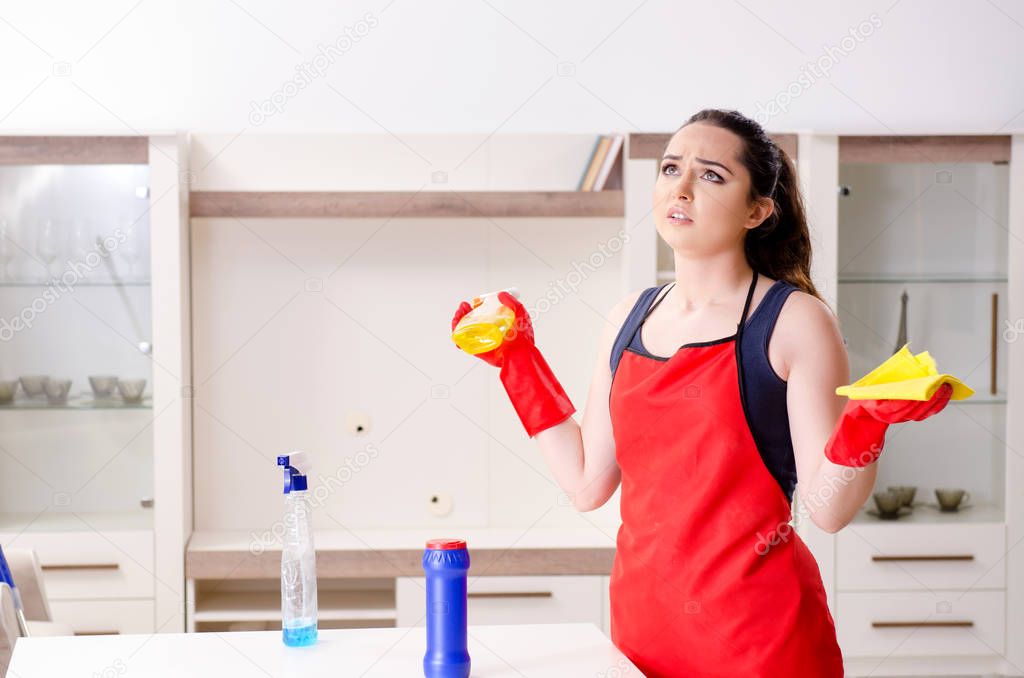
<point x="762" y="391"/>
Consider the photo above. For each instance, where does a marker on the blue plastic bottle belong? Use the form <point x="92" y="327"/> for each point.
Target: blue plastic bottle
<point x="298" y="556"/>
<point x="445" y="563"/>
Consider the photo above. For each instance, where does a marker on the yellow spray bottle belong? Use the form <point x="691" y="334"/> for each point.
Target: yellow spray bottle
<point x="483" y="328"/>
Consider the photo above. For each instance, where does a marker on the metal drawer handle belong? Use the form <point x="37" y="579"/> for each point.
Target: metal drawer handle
<point x="98" y="633"/>
<point x="509" y="594"/>
<point x="878" y="558"/>
<point x="78" y="566"/>
<point x="901" y="624"/>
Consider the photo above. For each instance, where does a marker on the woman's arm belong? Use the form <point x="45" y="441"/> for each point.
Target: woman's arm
<point x="582" y="460"/>
<point x="810" y="344"/>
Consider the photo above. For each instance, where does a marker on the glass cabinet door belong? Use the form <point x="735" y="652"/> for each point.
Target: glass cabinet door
<point x="76" y="449"/>
<point x="922" y="260"/>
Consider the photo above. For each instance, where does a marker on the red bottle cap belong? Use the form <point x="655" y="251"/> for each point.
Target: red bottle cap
<point x="446" y="544"/>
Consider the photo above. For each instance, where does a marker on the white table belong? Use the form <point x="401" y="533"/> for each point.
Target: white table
<point x="532" y="650"/>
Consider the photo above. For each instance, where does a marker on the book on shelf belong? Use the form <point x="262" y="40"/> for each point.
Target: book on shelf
<point x="603" y="160"/>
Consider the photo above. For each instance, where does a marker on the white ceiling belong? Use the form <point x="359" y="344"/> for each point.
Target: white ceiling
<point x="488" y="66"/>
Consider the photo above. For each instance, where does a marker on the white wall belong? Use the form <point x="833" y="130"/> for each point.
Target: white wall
<point x="300" y="323"/>
<point x="123" y="66"/>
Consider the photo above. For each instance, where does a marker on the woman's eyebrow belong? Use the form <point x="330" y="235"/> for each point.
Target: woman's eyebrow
<point x="669" y="156"/>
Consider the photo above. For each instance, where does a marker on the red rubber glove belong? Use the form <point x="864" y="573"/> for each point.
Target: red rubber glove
<point x="538" y="398"/>
<point x="860" y="432"/>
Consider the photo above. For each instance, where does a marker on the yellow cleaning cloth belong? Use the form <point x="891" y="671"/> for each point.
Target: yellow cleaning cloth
<point x="904" y="376"/>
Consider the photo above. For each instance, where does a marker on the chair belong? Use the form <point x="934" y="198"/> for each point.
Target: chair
<point x="27" y="574"/>
<point x="8" y="627"/>
<point x="28" y="577"/>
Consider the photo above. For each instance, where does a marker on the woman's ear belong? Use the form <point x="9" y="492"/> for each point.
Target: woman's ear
<point x="759" y="211"/>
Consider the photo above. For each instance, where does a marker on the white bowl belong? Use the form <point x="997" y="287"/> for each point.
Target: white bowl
<point x="102" y="385"/>
<point x="33" y="385"/>
<point x="131" y="390"/>
<point x="57" y="390"/>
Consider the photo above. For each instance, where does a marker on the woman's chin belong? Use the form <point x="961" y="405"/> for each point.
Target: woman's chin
<point x="678" y="237"/>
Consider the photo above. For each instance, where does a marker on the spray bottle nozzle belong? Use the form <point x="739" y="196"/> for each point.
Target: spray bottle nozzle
<point x="296" y="466"/>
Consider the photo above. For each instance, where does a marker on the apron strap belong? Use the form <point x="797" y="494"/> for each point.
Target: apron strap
<point x="746" y="308"/>
<point x="656" y="302"/>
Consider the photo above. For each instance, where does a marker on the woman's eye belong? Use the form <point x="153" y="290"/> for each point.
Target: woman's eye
<point x="671" y="166"/>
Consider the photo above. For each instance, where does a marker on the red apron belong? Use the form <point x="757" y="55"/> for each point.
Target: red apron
<point x="709" y="578"/>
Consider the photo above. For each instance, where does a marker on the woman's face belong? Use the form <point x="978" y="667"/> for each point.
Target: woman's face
<point x="702" y="177"/>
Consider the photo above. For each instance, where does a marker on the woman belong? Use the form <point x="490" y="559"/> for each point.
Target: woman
<point x="708" y="423"/>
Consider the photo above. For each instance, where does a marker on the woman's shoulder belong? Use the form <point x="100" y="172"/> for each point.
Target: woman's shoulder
<point x="621" y="310"/>
<point x="805" y="326"/>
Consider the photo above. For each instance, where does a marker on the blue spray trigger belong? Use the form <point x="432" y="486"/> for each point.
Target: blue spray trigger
<point x="294" y="478"/>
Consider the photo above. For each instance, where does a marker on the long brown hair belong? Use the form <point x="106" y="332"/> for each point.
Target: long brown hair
<point x="780" y="247"/>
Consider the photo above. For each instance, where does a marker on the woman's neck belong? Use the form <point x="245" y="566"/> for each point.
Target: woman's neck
<point x="705" y="281"/>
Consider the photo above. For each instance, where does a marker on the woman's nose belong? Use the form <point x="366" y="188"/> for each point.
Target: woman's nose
<point x="684" y="187"/>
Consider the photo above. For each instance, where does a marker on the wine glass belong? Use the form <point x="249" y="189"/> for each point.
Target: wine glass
<point x="7" y="248"/>
<point x="129" y="249"/>
<point x="82" y="242"/>
<point x="46" y="245"/>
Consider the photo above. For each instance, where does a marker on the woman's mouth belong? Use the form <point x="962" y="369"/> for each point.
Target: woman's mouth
<point x="678" y="218"/>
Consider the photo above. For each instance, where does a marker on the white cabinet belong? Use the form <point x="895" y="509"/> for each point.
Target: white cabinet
<point x="921" y="623"/>
<point x="921" y="590"/>
<point x="90" y="566"/>
<point x="93" y="380"/>
<point x="514" y="600"/>
<point x="928" y="225"/>
<point x="912" y="557"/>
<point x="105" y="617"/>
<point x="97" y="582"/>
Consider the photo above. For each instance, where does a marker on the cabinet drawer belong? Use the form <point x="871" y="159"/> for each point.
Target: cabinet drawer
<point x="921" y="557"/>
<point x="101" y="617"/>
<point x="512" y="600"/>
<point x="919" y="624"/>
<point x="87" y="565"/>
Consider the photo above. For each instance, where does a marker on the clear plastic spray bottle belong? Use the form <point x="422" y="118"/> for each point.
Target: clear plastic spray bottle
<point x="298" y="555"/>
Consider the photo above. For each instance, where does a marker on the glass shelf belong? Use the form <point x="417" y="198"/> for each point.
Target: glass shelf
<point x="928" y="512"/>
<point x="955" y="278"/>
<point x="84" y="402"/>
<point x="59" y="284"/>
<point x="975" y="400"/>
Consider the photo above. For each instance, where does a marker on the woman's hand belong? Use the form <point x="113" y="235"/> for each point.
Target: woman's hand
<point x="897" y="411"/>
<point x="538" y="398"/>
<point x="860" y="433"/>
<point x="518" y="336"/>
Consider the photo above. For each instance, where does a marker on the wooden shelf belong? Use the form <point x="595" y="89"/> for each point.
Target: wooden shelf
<point x="74" y="150"/>
<point x="650" y="145"/>
<point x="399" y="553"/>
<point x="418" y="204"/>
<point x="924" y="148"/>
